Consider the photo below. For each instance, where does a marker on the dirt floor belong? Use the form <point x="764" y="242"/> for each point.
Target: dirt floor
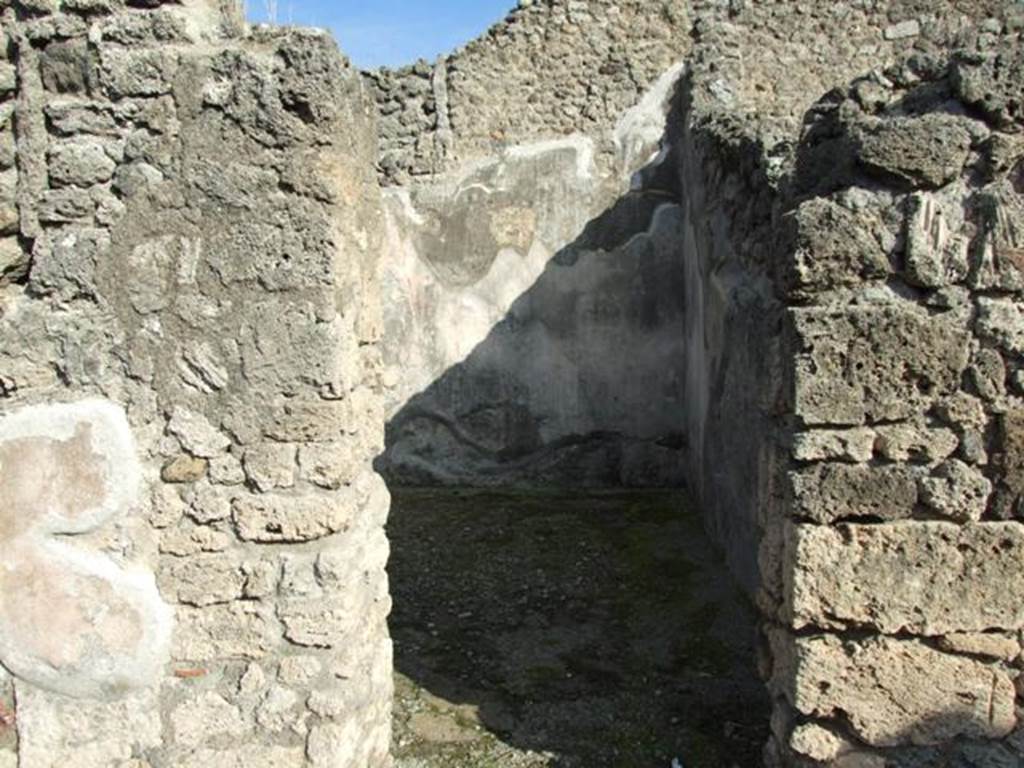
<point x="567" y="630"/>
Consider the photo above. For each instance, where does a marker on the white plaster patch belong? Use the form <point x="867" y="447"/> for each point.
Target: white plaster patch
<point x="111" y="444"/>
<point x="73" y="621"/>
<point x="583" y="146"/>
<point x="639" y="132"/>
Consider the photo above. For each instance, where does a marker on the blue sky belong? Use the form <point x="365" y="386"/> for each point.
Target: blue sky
<point x="391" y="32"/>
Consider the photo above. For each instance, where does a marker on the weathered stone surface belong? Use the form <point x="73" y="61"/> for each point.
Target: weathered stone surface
<point x="991" y="81"/>
<point x="274" y="518"/>
<point x="328" y="465"/>
<point x="233" y="630"/>
<point x="831" y="246"/>
<point x="197" y="435"/>
<point x="1002" y="320"/>
<point x="853" y="445"/>
<point x="894" y="692"/>
<point x="204" y="718"/>
<point x="270" y="465"/>
<point x="320" y="623"/>
<point x="311" y="422"/>
<point x="936" y="252"/>
<point x="226" y="470"/>
<point x="993" y="645"/>
<point x="299" y="671"/>
<point x="208" y="503"/>
<point x="189" y="221"/>
<point x="64" y="262"/>
<point x="925" y="151"/>
<point x="81" y="162"/>
<point x="829" y="492"/>
<point x="136" y="73"/>
<point x="957" y="491"/>
<point x="964" y="578"/>
<point x="280" y="709"/>
<point x="333" y="743"/>
<point x="249" y="756"/>
<point x="1009" y="461"/>
<point x="816" y="742"/>
<point x="148" y="153"/>
<point x="55" y="731"/>
<point x="65" y="66"/>
<point x="201" y="580"/>
<point x="880" y="363"/>
<point x="13" y="260"/>
<point x="915" y="442"/>
<point x="186" y="539"/>
<point x="184" y="469"/>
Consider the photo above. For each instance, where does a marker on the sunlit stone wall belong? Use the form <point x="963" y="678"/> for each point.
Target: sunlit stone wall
<point x="193" y="551"/>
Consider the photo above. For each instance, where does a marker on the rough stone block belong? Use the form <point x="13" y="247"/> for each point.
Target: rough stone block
<point x="64" y="262"/>
<point x="998" y="251"/>
<point x="125" y="72"/>
<point x="278" y="519"/>
<point x="201" y="580"/>
<point x="249" y="756"/>
<point x="328" y="465"/>
<point x="1008" y="458"/>
<point x="311" y="421"/>
<point x="991" y="81"/>
<point x="926" y="151"/>
<point x="915" y="442"/>
<point x="204" y="718"/>
<point x="197" y="435"/>
<point x="929" y="578"/>
<point x="320" y="623"/>
<point x="1002" y="321"/>
<point x="854" y="445"/>
<point x="9" y="217"/>
<point x="894" y="692"/>
<point x="65" y="66"/>
<point x="187" y="539"/>
<point x="233" y="630"/>
<point x="286" y="348"/>
<point x="13" y="260"/>
<point x="957" y="491"/>
<point x="824" y="493"/>
<point x="831" y="246"/>
<point x="995" y="645"/>
<point x="57" y="731"/>
<point x="880" y="363"/>
<point x="270" y="465"/>
<point x="81" y="162"/>
<point x="936" y="253"/>
<point x="184" y="469"/>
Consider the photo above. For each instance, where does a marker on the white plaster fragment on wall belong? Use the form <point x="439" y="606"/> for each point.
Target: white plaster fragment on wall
<point x="73" y="621"/>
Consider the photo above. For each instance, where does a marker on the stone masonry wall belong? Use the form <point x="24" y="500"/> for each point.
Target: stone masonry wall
<point x="193" y="570"/>
<point x="553" y="68"/>
<point x="901" y="594"/>
<point x="854" y="300"/>
<point x="754" y="71"/>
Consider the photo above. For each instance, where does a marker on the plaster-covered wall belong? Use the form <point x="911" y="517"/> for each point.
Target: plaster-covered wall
<point x="193" y="546"/>
<point x="534" y="311"/>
